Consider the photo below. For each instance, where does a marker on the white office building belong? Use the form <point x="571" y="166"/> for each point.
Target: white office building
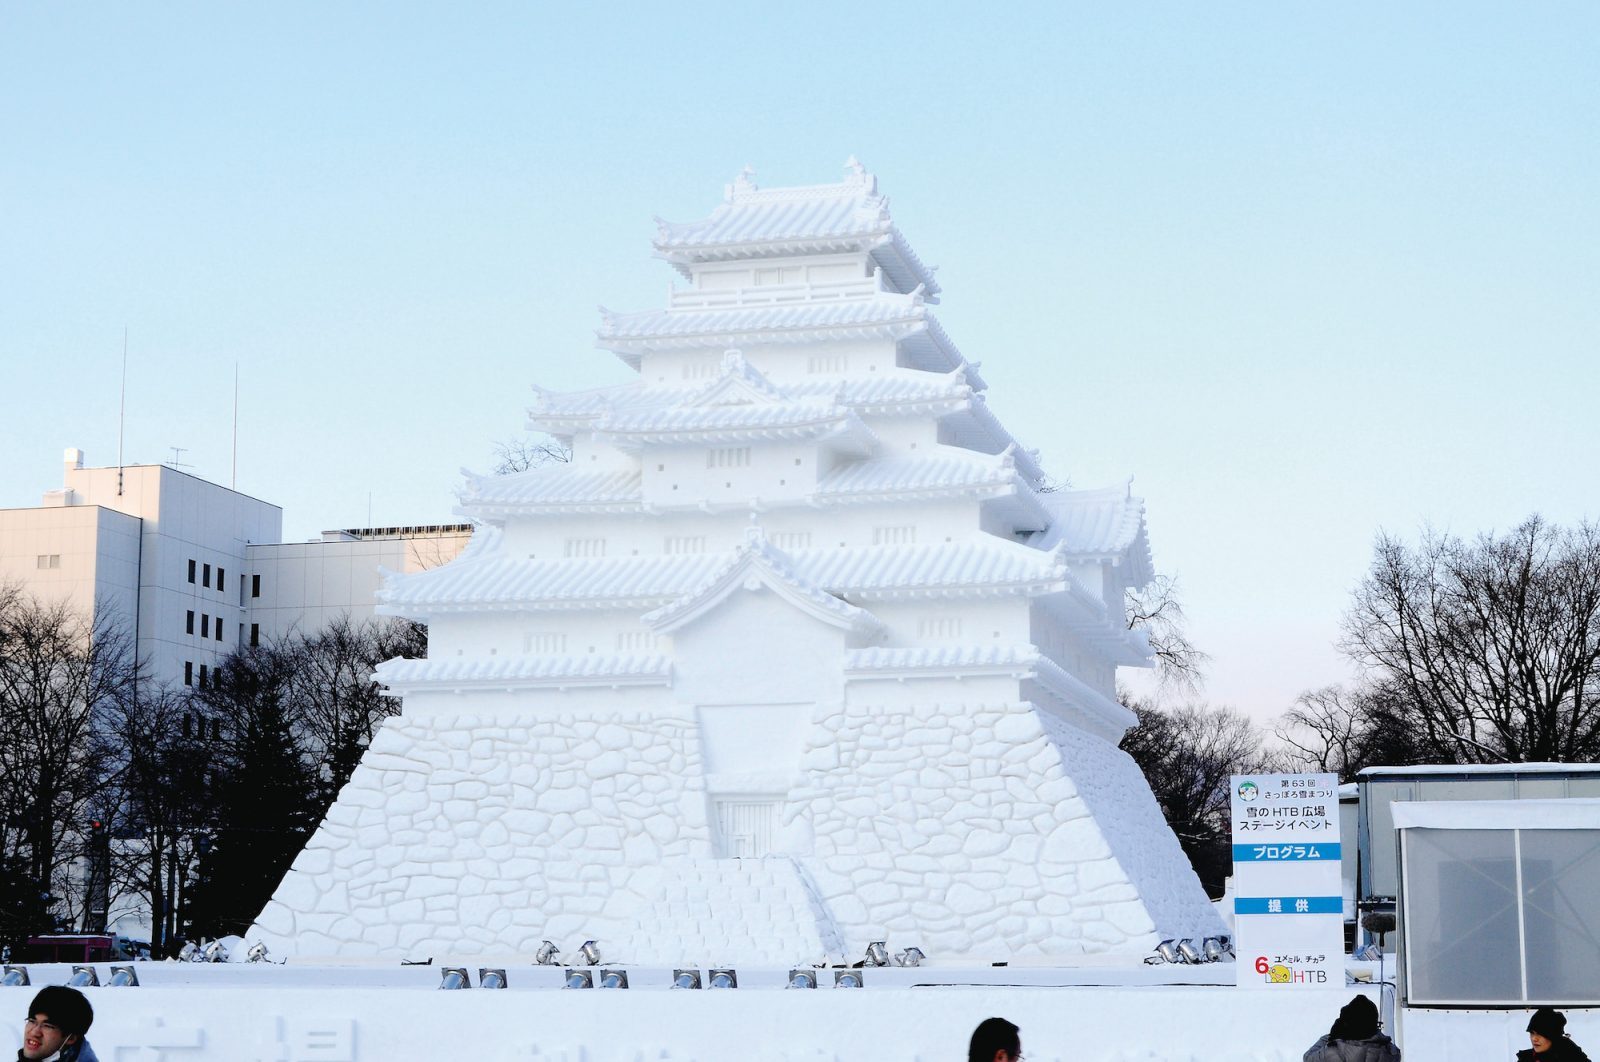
<point x="192" y="570"/>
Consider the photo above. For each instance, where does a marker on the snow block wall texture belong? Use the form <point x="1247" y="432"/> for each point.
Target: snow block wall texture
<point x="964" y="830"/>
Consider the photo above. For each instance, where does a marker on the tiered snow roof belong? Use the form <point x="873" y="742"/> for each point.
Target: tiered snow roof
<point x="1103" y="524"/>
<point x="757" y="222"/>
<point x="491" y="579"/>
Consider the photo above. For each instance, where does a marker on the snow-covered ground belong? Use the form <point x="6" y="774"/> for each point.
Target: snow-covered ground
<point x="361" y="1012"/>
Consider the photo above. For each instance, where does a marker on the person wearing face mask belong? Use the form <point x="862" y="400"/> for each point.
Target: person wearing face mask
<point x="54" y="1031"/>
<point x="1355" y="1037"/>
<point x="1547" y="1031"/>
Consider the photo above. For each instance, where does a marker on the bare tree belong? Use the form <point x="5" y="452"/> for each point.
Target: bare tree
<point x="1491" y="648"/>
<point x="1340" y="730"/>
<point x="527" y="452"/>
<point x="159" y="803"/>
<point x="1188" y="756"/>
<point x="61" y="674"/>
<point x="1156" y="609"/>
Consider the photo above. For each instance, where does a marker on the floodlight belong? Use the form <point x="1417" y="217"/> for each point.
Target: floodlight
<point x="15" y="975"/>
<point x="909" y="957"/>
<point x="847" y="979"/>
<point x="83" y="976"/>
<point x="1190" y="953"/>
<point x="579" y="979"/>
<point x="802" y="979"/>
<point x="546" y="955"/>
<point x="216" y="951"/>
<point x="190" y="952"/>
<point x="590" y="953"/>
<point x="1214" y="949"/>
<point x="1153" y="960"/>
<point x="257" y="952"/>
<point x="877" y="954"/>
<point x="123" y="977"/>
<point x="685" y="978"/>
<point x="613" y="978"/>
<point x="1168" y="950"/>
<point x="724" y="978"/>
<point x="491" y="978"/>
<point x="454" y="977"/>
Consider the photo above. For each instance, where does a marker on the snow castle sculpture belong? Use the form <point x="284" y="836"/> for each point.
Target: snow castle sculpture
<point x="795" y="654"/>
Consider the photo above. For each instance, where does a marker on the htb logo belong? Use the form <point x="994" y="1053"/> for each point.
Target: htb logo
<point x="1248" y="792"/>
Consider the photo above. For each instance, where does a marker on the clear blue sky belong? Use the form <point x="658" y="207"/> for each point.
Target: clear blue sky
<point x="1304" y="270"/>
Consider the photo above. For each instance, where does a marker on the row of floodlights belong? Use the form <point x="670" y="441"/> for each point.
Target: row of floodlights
<point x="457" y="977"/>
<point x="1192" y="951"/>
<point x="877" y="955"/>
<point x="217" y="951"/>
<point x="82" y="977"/>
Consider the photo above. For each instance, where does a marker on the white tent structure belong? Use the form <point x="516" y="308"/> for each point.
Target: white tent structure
<point x="1500" y="902"/>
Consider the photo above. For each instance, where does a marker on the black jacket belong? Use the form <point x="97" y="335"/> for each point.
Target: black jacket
<point x="1376" y="1048"/>
<point x="1562" y="1050"/>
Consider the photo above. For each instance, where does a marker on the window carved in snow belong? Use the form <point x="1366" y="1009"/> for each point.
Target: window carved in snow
<point x="584" y="547"/>
<point x="939" y="627"/>
<point x="780" y="275"/>
<point x="896" y="535"/>
<point x="746" y="826"/>
<point x="701" y="368"/>
<point x="544" y="642"/>
<point x="635" y="641"/>
<point x="817" y="364"/>
<point x="728" y="457"/>
<point x="677" y="544"/>
<point x="791" y="539"/>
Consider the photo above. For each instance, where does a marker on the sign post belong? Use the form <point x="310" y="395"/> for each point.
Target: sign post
<point x="1288" y="907"/>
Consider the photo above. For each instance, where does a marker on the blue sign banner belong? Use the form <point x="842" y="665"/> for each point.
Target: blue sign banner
<point x="1276" y="853"/>
<point x="1288" y="905"/>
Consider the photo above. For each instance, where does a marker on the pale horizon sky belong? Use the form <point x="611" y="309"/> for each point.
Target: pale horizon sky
<point x="1305" y="272"/>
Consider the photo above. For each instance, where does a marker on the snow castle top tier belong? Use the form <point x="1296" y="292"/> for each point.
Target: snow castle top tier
<point x="796" y="651"/>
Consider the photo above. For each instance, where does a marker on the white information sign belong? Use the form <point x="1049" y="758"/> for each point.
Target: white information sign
<point x="1288" y="907"/>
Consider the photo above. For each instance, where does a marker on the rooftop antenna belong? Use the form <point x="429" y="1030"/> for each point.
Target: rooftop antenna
<point x="234" y="483"/>
<point x="122" y="408"/>
<point x="177" y="455"/>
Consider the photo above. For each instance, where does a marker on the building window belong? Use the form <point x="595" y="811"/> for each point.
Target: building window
<point x="676" y="544"/>
<point x="205" y="576"/>
<point x="218" y="626"/>
<point x="205" y="625"/>
<point x="188" y="623"/>
<point x="728" y="457"/>
<point x="584" y="547"/>
<point x="188" y="672"/>
<point x="202" y="676"/>
<point x="544" y="642"/>
<point x="220" y="577"/>
<point x="255" y="586"/>
<point x="216" y="730"/>
<point x="49" y="560"/>
<point x="191" y="571"/>
<point x="255" y="634"/>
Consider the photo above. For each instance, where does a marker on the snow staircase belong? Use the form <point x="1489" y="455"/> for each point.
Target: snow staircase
<point x="730" y="911"/>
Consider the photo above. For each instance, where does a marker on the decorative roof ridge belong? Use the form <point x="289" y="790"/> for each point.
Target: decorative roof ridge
<point x="738" y="376"/>
<point x="756" y="563"/>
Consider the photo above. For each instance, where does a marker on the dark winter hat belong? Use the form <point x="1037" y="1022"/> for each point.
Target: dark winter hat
<point x="1358" y="1020"/>
<point x="65" y="1007"/>
<point x="1550" y="1024"/>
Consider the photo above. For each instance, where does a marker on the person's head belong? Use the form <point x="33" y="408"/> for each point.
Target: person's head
<point x="1545" y="1028"/>
<point x="58" y="1016"/>
<point x="1358" y="1020"/>
<point x="995" y="1040"/>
